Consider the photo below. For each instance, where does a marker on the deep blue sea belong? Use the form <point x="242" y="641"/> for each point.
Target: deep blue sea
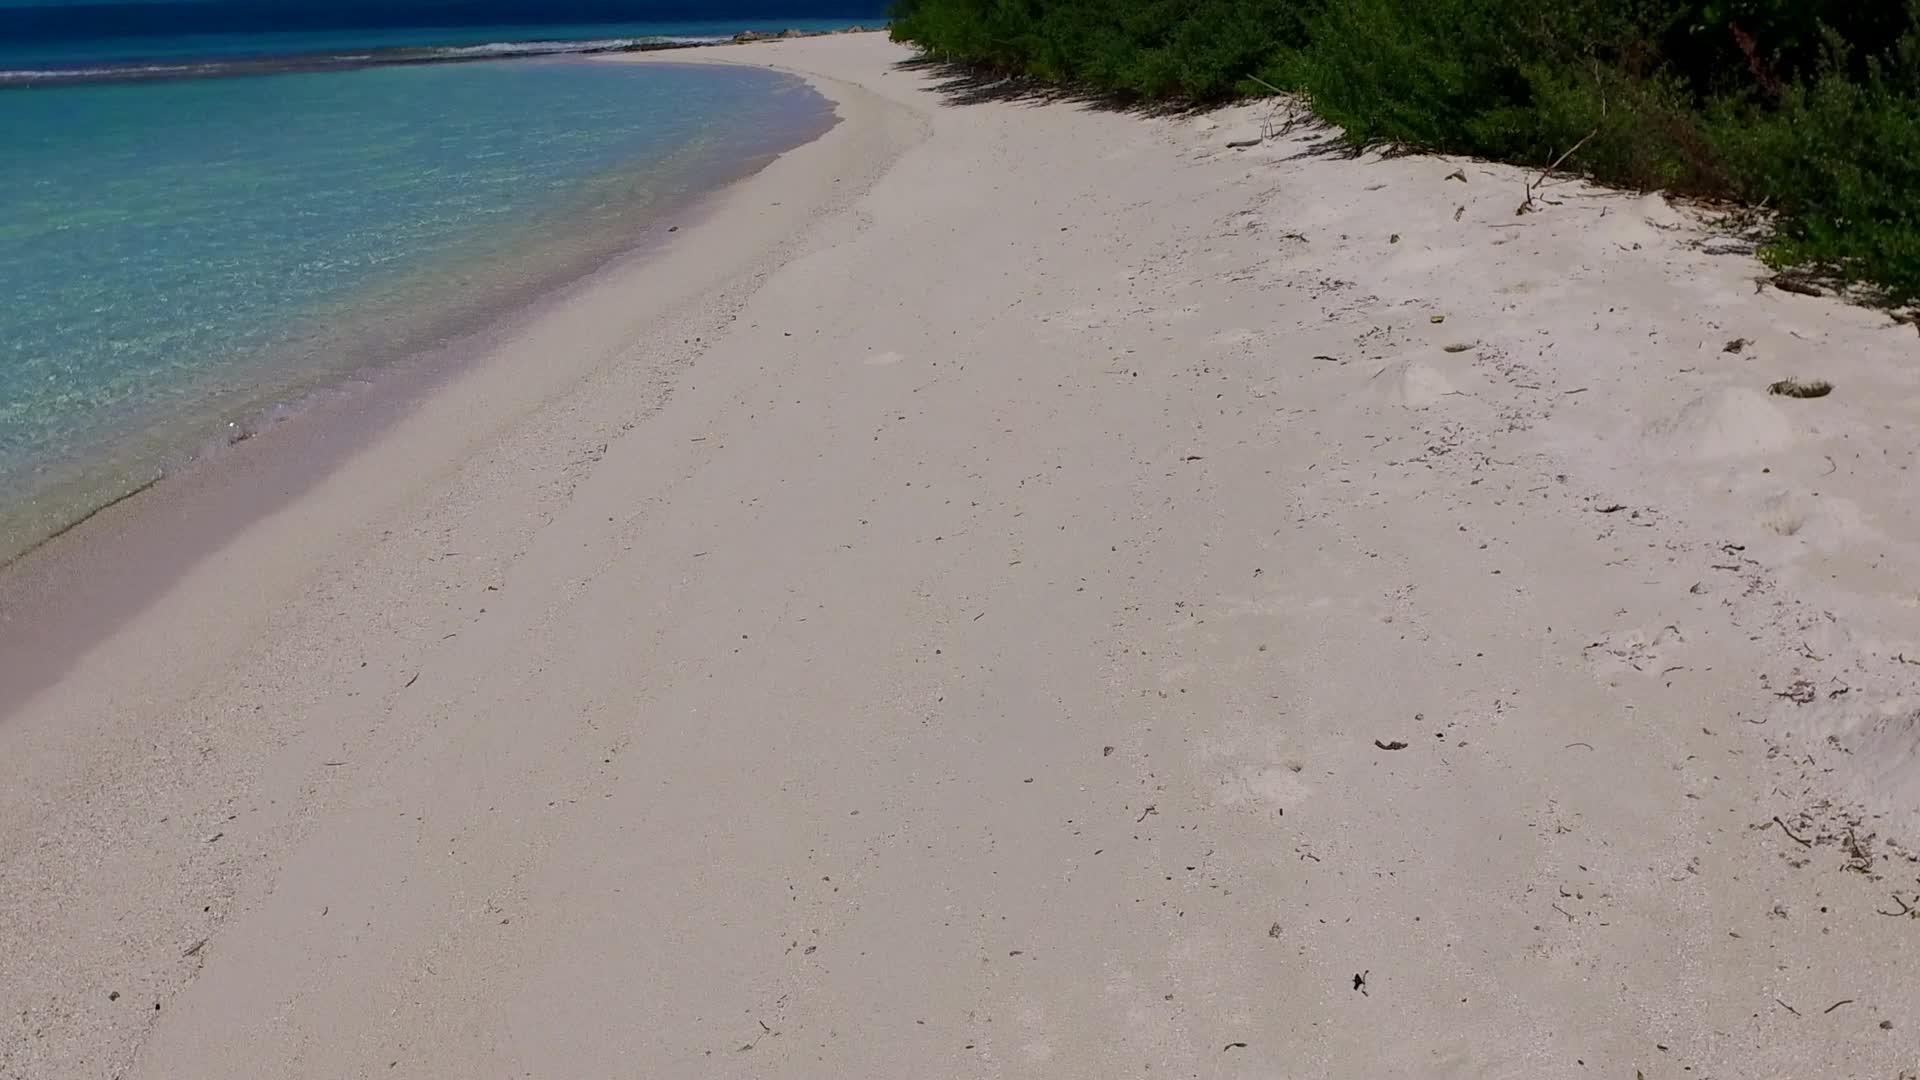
<point x="181" y="259"/>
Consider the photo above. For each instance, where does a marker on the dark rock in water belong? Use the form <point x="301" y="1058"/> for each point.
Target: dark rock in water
<point x="791" y="33"/>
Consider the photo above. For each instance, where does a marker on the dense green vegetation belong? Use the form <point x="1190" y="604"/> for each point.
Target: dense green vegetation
<point x="1808" y="107"/>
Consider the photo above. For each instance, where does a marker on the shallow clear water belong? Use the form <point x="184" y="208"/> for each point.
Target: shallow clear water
<point x="176" y="255"/>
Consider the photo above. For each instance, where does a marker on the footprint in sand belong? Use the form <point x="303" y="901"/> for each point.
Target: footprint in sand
<point x="1646" y="650"/>
<point x="1412" y="384"/>
<point x="1731" y="422"/>
<point x="1827" y="522"/>
<point x="1264" y="786"/>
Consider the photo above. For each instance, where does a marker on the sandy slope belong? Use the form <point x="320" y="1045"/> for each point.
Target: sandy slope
<point x="959" y="640"/>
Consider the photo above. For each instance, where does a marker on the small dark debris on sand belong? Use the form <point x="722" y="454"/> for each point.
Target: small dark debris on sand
<point x="1800" y="692"/>
<point x="1394" y="745"/>
<point x="1790" y="833"/>
<point x="1797" y="389"/>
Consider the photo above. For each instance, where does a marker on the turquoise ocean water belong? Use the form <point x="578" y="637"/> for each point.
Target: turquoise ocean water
<point x="179" y="258"/>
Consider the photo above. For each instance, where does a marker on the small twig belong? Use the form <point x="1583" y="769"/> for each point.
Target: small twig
<point x="1789" y="832"/>
<point x="1835" y="1005"/>
<point x="1571" y="745"/>
<point x="1267" y="126"/>
<point x="1905" y="908"/>
<point x="1557" y="162"/>
<point x="1144" y="813"/>
<point x="1786" y="1006"/>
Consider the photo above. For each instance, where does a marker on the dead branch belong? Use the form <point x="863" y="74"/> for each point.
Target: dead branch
<point x="1527" y="206"/>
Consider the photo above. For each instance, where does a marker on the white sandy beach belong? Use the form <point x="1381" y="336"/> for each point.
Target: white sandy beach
<point x="1020" y="590"/>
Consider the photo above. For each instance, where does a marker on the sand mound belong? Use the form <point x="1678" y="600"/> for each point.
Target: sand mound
<point x="1882" y="753"/>
<point x="1409" y="383"/>
<point x="1829" y="522"/>
<point x="1629" y="231"/>
<point x="1656" y="211"/>
<point x="1727" y="423"/>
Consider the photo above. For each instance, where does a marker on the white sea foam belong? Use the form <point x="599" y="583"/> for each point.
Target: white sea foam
<point x="310" y="61"/>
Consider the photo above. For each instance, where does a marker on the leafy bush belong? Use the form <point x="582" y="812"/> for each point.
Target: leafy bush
<point x="1503" y="79"/>
<point x="1840" y="155"/>
<point x="1191" y="50"/>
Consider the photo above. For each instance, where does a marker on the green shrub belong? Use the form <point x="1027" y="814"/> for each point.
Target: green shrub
<point x="1505" y="80"/>
<point x="1840" y="157"/>
<point x="1188" y="50"/>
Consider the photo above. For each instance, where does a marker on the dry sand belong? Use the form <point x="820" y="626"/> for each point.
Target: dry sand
<point x="944" y="618"/>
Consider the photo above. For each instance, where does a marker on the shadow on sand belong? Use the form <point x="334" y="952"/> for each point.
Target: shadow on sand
<point x="969" y="84"/>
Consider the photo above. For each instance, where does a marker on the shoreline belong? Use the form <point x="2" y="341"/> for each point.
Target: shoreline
<point x="382" y="322"/>
<point x="52" y="599"/>
<point x="1040" y="592"/>
<point x="162" y="595"/>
